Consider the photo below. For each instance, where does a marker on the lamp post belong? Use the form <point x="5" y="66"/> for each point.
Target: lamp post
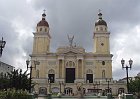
<point x="96" y="83"/>
<point x="31" y="67"/>
<point x="2" y="45"/>
<point x="108" y="80"/>
<point x="49" y="85"/>
<point x="130" y="66"/>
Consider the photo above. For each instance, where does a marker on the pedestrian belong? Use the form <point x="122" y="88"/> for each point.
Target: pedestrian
<point x="119" y="96"/>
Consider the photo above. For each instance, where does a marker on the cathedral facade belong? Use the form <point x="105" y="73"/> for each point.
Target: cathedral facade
<point x="71" y="66"/>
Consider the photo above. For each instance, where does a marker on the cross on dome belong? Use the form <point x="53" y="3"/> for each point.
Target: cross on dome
<point x="43" y="22"/>
<point x="100" y="21"/>
<point x="44" y="10"/>
<point x="100" y="14"/>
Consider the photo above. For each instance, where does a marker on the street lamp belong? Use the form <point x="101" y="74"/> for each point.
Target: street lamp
<point x="2" y="45"/>
<point x="130" y="66"/>
<point x="35" y="63"/>
<point x="49" y="85"/>
<point x="96" y="83"/>
<point x="108" y="80"/>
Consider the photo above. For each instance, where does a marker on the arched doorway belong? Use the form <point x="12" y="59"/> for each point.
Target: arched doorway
<point x="68" y="91"/>
<point x="89" y="76"/>
<point x="70" y="72"/>
<point x="51" y="75"/>
<point x="120" y="90"/>
<point x="70" y="75"/>
<point x="43" y="90"/>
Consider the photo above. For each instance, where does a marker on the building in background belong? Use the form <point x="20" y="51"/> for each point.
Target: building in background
<point x="71" y="66"/>
<point x="4" y="68"/>
<point x="138" y="74"/>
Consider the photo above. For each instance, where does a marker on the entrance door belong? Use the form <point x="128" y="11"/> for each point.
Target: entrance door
<point x="51" y="78"/>
<point x="70" y="75"/>
<point x="89" y="78"/>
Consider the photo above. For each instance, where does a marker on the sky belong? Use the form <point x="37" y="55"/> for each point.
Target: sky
<point x="18" y="20"/>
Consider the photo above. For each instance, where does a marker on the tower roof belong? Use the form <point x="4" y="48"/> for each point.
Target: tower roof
<point x="100" y="21"/>
<point x="43" y="22"/>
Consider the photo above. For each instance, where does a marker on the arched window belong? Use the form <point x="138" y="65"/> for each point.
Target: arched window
<point x="45" y="29"/>
<point x="68" y="91"/>
<point x="51" y="71"/>
<point x="103" y="73"/>
<point x="103" y="62"/>
<point x="101" y="28"/>
<point x="89" y="71"/>
<point x="70" y="64"/>
<point x="51" y="75"/>
<point x="96" y="29"/>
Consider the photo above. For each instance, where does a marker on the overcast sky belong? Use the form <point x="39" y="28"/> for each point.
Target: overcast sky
<point x="18" y="19"/>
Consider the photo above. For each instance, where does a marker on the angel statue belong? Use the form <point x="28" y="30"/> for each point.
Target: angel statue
<point x="70" y="40"/>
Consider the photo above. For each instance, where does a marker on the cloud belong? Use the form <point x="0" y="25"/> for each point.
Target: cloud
<point x="16" y="27"/>
<point x="76" y="17"/>
<point x="126" y="46"/>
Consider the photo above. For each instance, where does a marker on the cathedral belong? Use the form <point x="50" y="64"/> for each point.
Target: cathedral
<point x="71" y="67"/>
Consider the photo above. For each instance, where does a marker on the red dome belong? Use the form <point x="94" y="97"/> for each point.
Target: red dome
<point x="100" y="21"/>
<point x="43" y="22"/>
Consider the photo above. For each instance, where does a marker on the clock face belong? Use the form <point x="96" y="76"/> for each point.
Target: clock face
<point x="102" y="44"/>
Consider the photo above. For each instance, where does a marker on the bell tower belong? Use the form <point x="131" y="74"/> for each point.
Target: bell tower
<point x="101" y="36"/>
<point x="41" y="44"/>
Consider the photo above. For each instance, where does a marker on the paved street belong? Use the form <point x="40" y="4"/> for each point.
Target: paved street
<point x="40" y="98"/>
<point x="69" y="98"/>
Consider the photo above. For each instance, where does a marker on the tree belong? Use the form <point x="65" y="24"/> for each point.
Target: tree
<point x="4" y="81"/>
<point x="134" y="85"/>
<point x="15" y="79"/>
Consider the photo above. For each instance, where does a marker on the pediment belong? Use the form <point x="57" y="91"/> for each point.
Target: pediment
<point x="70" y="50"/>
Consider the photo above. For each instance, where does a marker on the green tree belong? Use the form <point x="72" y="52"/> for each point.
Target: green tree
<point x="15" y="79"/>
<point x="4" y="81"/>
<point x="134" y="86"/>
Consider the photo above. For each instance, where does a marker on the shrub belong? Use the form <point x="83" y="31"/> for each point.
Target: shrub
<point x="14" y="94"/>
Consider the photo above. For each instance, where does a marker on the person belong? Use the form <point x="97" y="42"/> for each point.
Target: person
<point x="119" y="96"/>
<point x="122" y="95"/>
<point x="99" y="94"/>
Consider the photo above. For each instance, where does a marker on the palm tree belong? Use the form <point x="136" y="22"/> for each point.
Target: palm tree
<point x="4" y="82"/>
<point x="19" y="80"/>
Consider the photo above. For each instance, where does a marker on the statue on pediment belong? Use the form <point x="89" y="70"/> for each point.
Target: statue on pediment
<point x="70" y="40"/>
